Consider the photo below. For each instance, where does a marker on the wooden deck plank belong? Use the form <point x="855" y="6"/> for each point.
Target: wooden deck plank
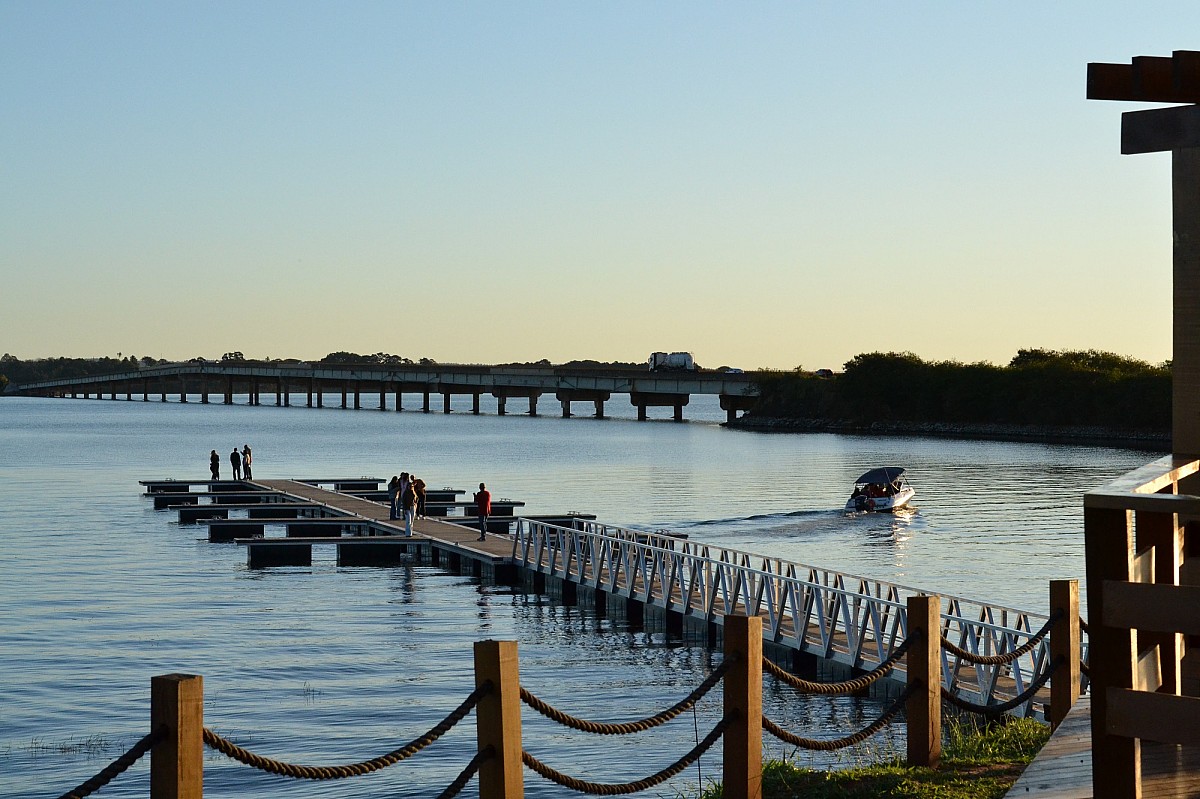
<point x="1063" y="769"/>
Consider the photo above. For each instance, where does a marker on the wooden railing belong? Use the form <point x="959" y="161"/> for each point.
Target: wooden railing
<point x="1143" y="598"/>
<point x="178" y="735"/>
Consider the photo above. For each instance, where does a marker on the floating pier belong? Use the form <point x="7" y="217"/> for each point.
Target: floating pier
<point x="815" y="620"/>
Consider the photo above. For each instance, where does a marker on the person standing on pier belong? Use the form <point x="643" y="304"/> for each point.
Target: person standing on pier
<point x="214" y="465"/>
<point x="235" y="460"/>
<point x="483" y="508"/>
<point x="394" y="497"/>
<point x="419" y="487"/>
<point x="408" y="498"/>
<point x="246" y="458"/>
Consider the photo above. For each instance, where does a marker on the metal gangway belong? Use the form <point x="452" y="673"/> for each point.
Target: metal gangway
<point x="852" y="620"/>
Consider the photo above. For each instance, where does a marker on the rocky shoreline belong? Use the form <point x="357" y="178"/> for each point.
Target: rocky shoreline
<point x="1153" y="440"/>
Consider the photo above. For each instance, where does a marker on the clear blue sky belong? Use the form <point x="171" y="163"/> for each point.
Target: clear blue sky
<point x="763" y="184"/>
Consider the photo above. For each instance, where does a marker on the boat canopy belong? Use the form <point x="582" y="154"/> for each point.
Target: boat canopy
<point x="881" y="476"/>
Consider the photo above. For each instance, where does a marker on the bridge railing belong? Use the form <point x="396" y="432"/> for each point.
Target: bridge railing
<point x="1144" y="602"/>
<point x="854" y="620"/>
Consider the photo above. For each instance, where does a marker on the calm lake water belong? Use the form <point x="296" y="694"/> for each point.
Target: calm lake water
<point x="324" y="665"/>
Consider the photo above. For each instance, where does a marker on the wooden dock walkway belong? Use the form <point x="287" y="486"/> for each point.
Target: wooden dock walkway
<point x="1063" y="769"/>
<point x="442" y="529"/>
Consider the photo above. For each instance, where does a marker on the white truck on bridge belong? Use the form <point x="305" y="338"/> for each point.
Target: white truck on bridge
<point x="672" y="362"/>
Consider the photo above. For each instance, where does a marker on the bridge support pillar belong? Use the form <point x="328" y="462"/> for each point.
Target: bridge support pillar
<point x="475" y="403"/>
<point x="446" y="402"/>
<point x="399" y="402"/>
<point x="357" y="396"/>
<point x="425" y="401"/>
<point x="382" y="396"/>
<point x="645" y="399"/>
<point x="503" y="393"/>
<point x="596" y="396"/>
<point x="731" y="404"/>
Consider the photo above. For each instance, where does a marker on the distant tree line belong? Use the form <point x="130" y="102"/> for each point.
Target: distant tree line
<point x="15" y="371"/>
<point x="1038" y="387"/>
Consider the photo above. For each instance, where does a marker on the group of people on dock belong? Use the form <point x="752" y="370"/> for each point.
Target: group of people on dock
<point x="240" y="461"/>
<point x="406" y="498"/>
<point x="406" y="495"/>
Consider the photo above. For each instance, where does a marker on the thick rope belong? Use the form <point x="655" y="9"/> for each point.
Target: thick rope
<point x="466" y="774"/>
<point x="352" y="769"/>
<point x="1007" y="657"/>
<point x="626" y="728"/>
<point x="118" y="766"/>
<point x="615" y="789"/>
<point x="840" y="743"/>
<point x="845" y="687"/>
<point x="1003" y="707"/>
<point x="1085" y="669"/>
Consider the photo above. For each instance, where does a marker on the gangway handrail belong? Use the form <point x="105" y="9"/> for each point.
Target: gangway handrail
<point x="854" y="619"/>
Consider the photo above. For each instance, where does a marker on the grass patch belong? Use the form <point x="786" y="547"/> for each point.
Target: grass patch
<point x="978" y="762"/>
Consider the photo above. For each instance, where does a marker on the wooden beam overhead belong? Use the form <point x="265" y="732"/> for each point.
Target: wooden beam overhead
<point x="1148" y="79"/>
<point x="1157" y="130"/>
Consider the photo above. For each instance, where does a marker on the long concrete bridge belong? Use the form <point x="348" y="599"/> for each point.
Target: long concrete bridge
<point x="646" y="389"/>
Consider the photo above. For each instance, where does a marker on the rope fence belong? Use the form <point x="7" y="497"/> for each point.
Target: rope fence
<point x="230" y="749"/>
<point x="627" y="728"/>
<point x="1006" y="657"/>
<point x="118" y="766"/>
<point x="616" y="789"/>
<point x="499" y="758"/>
<point x="849" y="740"/>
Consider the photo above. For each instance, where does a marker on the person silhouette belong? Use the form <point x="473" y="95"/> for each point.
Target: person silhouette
<point x="483" y="508"/>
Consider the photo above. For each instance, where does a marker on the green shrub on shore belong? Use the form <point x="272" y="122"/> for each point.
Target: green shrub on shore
<point x="977" y="763"/>
<point x="1085" y="388"/>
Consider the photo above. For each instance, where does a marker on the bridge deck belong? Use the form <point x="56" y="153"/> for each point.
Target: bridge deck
<point x="1063" y="769"/>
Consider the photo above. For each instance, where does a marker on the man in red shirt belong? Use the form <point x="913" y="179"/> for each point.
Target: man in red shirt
<point x="483" y="507"/>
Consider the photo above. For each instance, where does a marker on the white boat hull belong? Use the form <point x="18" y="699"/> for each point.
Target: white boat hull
<point x="881" y="504"/>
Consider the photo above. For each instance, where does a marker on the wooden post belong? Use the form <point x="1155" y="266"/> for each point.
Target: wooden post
<point x="923" y="661"/>
<point x="1185" y="363"/>
<point x="498" y="720"/>
<point x="1064" y="649"/>
<point x="1112" y="652"/>
<point x="1163" y="532"/>
<point x="742" y="778"/>
<point x="177" y="762"/>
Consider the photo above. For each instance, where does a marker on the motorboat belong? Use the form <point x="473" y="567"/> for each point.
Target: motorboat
<point x="882" y="489"/>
